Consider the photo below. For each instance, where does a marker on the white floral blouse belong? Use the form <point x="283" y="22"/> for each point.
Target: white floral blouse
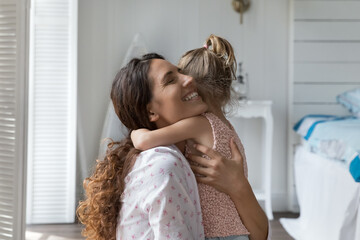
<point x="161" y="199"/>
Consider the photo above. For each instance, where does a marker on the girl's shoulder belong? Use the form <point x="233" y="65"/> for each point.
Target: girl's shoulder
<point x="217" y="122"/>
<point x="209" y="116"/>
<point x="199" y="121"/>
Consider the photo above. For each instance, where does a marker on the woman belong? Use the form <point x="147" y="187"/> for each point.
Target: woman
<point x="214" y="66"/>
<point x="143" y="99"/>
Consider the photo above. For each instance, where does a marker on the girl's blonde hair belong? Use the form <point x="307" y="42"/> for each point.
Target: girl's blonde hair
<point x="214" y="67"/>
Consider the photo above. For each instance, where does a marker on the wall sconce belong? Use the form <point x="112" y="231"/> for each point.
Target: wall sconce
<point x="241" y="6"/>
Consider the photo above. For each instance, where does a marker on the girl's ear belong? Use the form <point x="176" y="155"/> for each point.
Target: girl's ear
<point x="153" y="116"/>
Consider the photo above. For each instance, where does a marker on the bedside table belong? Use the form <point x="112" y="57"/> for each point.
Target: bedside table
<point x="260" y="109"/>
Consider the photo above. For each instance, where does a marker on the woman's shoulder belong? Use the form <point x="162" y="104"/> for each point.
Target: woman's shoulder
<point x="160" y="152"/>
<point x="163" y="157"/>
<point x="158" y="169"/>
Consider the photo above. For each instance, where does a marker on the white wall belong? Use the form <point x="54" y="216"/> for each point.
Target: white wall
<point x="170" y="28"/>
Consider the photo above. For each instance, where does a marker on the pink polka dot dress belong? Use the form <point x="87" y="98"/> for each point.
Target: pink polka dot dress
<point x="220" y="217"/>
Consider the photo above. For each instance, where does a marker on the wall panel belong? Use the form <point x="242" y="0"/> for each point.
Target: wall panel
<point x="326" y="72"/>
<point x="326" y="10"/>
<point x="327" y="31"/>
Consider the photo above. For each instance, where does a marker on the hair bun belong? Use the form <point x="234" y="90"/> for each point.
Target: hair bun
<point x="223" y="49"/>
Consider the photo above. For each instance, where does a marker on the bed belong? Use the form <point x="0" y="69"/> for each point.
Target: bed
<point x="327" y="179"/>
<point x="322" y="182"/>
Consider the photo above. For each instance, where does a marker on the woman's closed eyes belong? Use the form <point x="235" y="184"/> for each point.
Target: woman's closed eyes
<point x="171" y="77"/>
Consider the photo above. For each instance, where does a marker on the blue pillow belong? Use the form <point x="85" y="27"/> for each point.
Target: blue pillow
<point x="355" y="169"/>
<point x="351" y="100"/>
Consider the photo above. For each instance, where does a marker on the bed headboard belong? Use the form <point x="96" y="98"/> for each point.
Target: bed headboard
<point x="324" y="61"/>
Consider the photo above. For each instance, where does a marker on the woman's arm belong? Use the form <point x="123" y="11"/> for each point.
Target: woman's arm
<point x="222" y="173"/>
<point x="189" y="128"/>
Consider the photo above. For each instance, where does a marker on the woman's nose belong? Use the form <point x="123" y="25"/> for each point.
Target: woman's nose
<point x="188" y="80"/>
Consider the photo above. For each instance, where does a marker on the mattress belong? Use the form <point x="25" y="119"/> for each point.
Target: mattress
<point x="328" y="198"/>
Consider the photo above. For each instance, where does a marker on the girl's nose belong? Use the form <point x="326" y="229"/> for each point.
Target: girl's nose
<point x="188" y="80"/>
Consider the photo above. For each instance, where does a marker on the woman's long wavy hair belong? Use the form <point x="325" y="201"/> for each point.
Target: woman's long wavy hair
<point x="214" y="67"/>
<point x="130" y="94"/>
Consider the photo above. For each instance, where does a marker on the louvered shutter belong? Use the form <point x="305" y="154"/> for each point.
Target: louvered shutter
<point x="52" y="112"/>
<point x="12" y="118"/>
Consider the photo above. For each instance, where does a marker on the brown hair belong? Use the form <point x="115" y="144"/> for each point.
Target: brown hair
<point x="213" y="66"/>
<point x="130" y="93"/>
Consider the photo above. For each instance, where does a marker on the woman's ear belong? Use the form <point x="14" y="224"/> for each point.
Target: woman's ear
<point x="153" y="116"/>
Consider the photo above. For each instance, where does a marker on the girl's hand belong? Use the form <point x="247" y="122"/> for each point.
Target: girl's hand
<point x="138" y="136"/>
<point x="219" y="172"/>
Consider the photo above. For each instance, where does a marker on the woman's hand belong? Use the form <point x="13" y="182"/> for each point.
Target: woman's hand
<point x="222" y="173"/>
<point x="219" y="172"/>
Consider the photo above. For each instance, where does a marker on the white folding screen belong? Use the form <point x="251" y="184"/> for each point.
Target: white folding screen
<point x="324" y="62"/>
<point x="52" y="112"/>
<point x="13" y="92"/>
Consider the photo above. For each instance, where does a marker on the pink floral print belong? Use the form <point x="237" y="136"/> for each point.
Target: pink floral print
<point x="160" y="198"/>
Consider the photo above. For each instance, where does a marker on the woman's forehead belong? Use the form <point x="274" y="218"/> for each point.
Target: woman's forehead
<point x="159" y="69"/>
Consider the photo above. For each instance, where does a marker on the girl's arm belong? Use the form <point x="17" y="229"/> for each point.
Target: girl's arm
<point x="188" y="128"/>
<point x="222" y="173"/>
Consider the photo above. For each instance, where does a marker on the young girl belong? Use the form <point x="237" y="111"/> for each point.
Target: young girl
<point x="213" y="67"/>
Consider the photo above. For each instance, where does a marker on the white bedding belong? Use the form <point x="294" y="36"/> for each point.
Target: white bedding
<point x="328" y="198"/>
<point x="333" y="137"/>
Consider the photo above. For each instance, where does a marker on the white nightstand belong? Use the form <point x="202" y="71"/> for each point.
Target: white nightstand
<point x="261" y="109"/>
